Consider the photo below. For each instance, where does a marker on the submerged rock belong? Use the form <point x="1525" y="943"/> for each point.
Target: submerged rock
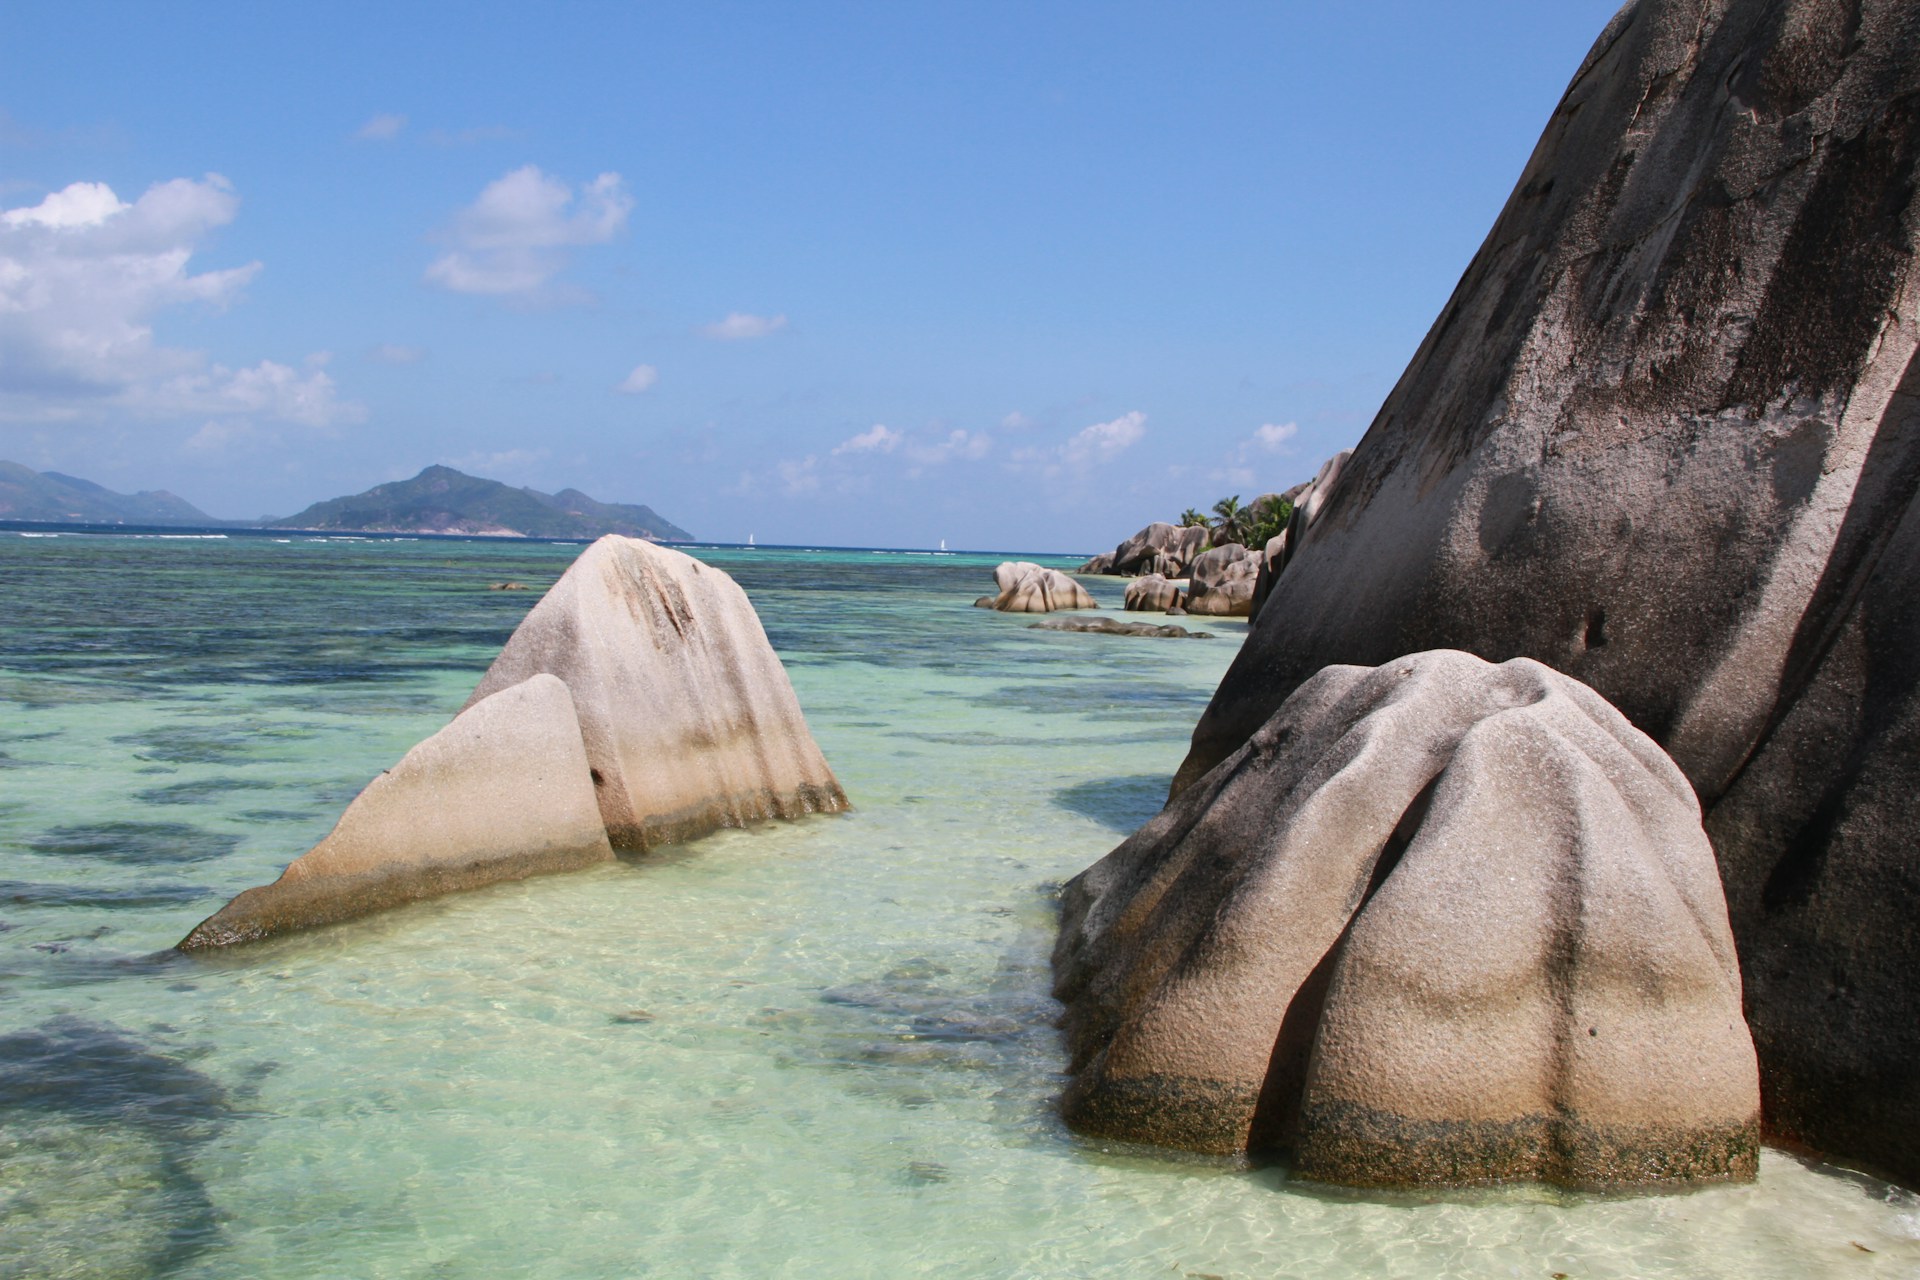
<point x="1026" y="587"/>
<point x="688" y="718"/>
<point x="1437" y="922"/>
<point x="1664" y="437"/>
<point x="1113" y="627"/>
<point x="501" y="793"/>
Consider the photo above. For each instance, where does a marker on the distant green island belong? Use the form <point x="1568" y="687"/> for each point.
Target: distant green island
<point x="438" y="500"/>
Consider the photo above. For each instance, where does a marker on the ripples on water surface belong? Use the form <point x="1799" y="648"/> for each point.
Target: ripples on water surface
<point x="817" y="1049"/>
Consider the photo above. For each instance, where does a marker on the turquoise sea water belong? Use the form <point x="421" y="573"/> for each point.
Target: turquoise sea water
<point x="811" y="1049"/>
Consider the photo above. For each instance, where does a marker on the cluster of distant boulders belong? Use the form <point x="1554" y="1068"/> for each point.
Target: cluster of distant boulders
<point x="1560" y="817"/>
<point x="637" y="704"/>
<point x="1179" y="569"/>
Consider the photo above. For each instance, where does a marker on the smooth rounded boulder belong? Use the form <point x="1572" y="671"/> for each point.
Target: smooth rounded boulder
<point x="1026" y="587"/>
<point x="1152" y="593"/>
<point x="1438" y="922"/>
<point x="1223" y="581"/>
<point x="501" y="793"/>
<point x="689" y="720"/>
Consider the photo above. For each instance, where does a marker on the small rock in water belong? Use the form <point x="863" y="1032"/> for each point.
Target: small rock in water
<point x="506" y="586"/>
<point x="633" y="1016"/>
<point x="1110" y="627"/>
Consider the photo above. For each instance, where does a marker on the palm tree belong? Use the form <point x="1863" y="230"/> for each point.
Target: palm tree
<point x="1230" y="521"/>
<point x="1191" y="518"/>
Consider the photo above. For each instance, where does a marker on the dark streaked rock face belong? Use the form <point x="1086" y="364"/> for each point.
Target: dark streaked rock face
<point x="1438" y="922"/>
<point x="1665" y="437"/>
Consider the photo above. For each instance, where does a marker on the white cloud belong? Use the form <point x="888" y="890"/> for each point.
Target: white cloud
<point x="1245" y="460"/>
<point x="1104" y="441"/>
<point x="268" y="389"/>
<point x="1088" y="447"/>
<point x="513" y="240"/>
<point x="215" y="436"/>
<point x="642" y="378"/>
<point x="83" y="273"/>
<point x="382" y="128"/>
<point x="83" y="204"/>
<point x="958" y="444"/>
<point x="1017" y="421"/>
<point x="395" y="353"/>
<point x="1272" y="437"/>
<point x="875" y="439"/>
<point x="800" y="477"/>
<point x="739" y="325"/>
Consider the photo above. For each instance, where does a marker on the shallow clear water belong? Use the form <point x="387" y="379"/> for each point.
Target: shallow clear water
<point x="810" y="1049"/>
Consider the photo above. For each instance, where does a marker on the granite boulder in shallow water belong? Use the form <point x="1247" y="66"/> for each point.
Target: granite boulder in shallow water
<point x="1026" y="587"/>
<point x="689" y="720"/>
<point x="502" y="793"/>
<point x="1152" y="593"/>
<point x="1438" y="922"/>
<point x="637" y="704"/>
<point x="1222" y="582"/>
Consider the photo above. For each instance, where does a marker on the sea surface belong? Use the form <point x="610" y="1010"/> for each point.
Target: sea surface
<point x="816" y="1049"/>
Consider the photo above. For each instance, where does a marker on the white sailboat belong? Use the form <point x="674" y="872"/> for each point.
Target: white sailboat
<point x="943" y="544"/>
<point x="749" y="539"/>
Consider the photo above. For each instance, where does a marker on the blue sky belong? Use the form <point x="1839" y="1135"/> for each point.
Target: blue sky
<point x="1022" y="277"/>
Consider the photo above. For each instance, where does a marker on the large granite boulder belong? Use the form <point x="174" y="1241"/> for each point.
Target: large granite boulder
<point x="1026" y="587"/>
<point x="1665" y="437"/>
<point x="1437" y="922"/>
<point x="1101" y="564"/>
<point x="689" y="720"/>
<point x="1223" y="581"/>
<point x="1161" y="548"/>
<point x="1152" y="593"/>
<point x="501" y="793"/>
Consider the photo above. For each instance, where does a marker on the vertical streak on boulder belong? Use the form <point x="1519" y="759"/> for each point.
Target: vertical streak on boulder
<point x="1662" y="438"/>
<point x="689" y="720"/>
